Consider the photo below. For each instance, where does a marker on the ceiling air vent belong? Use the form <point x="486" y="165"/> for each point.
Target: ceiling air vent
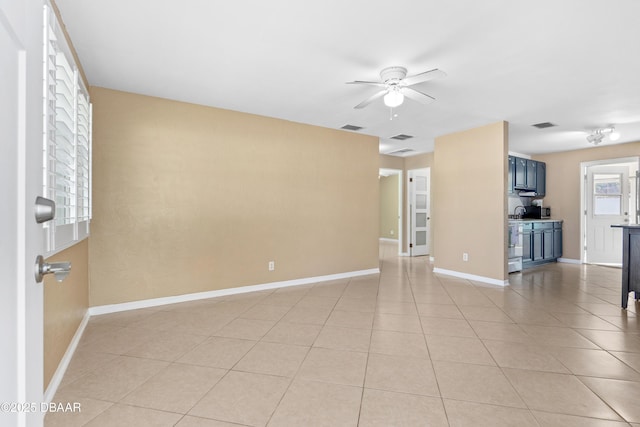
<point x="351" y="127"/>
<point x="401" y="137"/>
<point x="400" y="151"/>
<point x="544" y="125"/>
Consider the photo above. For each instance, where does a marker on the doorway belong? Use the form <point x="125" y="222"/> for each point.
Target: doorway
<point x="419" y="211"/>
<point x="610" y="196"/>
<point x="391" y="190"/>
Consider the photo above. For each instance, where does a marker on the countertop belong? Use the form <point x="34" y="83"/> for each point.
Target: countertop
<point x="534" y="220"/>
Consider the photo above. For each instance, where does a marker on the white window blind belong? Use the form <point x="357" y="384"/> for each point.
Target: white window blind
<point x="67" y="140"/>
<point x="83" y="159"/>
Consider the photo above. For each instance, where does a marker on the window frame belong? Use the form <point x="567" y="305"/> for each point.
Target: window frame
<point x="67" y="140"/>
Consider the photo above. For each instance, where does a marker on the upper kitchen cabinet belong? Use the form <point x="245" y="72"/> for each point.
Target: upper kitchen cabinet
<point x="512" y="173"/>
<point x="526" y="172"/>
<point x="541" y="179"/>
<point x="526" y="175"/>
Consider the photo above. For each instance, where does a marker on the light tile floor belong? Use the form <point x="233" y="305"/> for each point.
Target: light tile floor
<point x="405" y="347"/>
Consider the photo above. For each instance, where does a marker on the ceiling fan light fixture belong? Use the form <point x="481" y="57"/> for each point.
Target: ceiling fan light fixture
<point x="597" y="135"/>
<point x="595" y="138"/>
<point x="393" y="98"/>
<point x="614" y="135"/>
<point x="395" y="85"/>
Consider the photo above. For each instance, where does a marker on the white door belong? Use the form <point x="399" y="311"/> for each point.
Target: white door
<point x="21" y="238"/>
<point x="607" y="203"/>
<point x="419" y="207"/>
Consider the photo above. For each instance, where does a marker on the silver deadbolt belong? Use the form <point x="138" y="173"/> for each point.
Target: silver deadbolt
<point x="59" y="269"/>
<point x="45" y="210"/>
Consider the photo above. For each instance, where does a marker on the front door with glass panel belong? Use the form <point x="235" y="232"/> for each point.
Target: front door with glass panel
<point x="607" y="204"/>
<point x="419" y="211"/>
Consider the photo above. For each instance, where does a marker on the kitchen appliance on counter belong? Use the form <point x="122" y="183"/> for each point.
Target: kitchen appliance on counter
<point x="537" y="212"/>
<point x="515" y="246"/>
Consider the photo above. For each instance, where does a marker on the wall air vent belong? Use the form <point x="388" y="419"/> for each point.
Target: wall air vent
<point x="544" y="125"/>
<point x="351" y="127"/>
<point x="399" y="151"/>
<point x="401" y="137"/>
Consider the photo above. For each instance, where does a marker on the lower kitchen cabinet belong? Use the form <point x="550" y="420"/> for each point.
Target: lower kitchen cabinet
<point x="541" y="242"/>
<point x="557" y="239"/>
<point x="527" y="255"/>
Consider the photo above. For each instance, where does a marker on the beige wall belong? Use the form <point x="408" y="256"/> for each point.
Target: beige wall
<point x="419" y="161"/>
<point x="391" y="162"/>
<point x="190" y="199"/>
<point x="563" y="187"/>
<point x="389" y="206"/>
<point x="65" y="304"/>
<point x="469" y="201"/>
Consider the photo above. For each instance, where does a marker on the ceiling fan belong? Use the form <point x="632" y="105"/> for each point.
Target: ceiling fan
<point x="396" y="86"/>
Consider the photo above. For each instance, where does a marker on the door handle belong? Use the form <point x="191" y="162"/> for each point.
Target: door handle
<point x="59" y="269"/>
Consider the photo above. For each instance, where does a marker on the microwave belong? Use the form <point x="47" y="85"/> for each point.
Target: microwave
<point x="537" y="212"/>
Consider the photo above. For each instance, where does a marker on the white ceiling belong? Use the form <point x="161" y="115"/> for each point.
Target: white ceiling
<point x="575" y="63"/>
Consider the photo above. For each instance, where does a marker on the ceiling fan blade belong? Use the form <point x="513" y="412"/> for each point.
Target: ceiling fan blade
<point x="360" y="82"/>
<point x="416" y="95"/>
<point x="423" y="77"/>
<point x="371" y="99"/>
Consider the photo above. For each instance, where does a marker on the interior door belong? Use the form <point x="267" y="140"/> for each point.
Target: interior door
<point x="607" y="194"/>
<point x="9" y="101"/>
<point x="21" y="238"/>
<point x="419" y="207"/>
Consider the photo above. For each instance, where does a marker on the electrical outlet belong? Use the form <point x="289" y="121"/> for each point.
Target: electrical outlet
<point x="272" y="265"/>
<point x="465" y="256"/>
<point x="391" y="232"/>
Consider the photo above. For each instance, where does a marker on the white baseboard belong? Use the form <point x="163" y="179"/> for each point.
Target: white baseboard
<point x="134" y="305"/>
<point x="471" y="277"/>
<point x="66" y="359"/>
<point x="569" y="261"/>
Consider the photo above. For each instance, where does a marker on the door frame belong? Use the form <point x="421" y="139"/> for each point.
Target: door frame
<point x="400" y="174"/>
<point x="584" y="196"/>
<point x="410" y="174"/>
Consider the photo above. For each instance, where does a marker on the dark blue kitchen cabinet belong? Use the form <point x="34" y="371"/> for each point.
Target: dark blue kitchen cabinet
<point x="520" y="182"/>
<point x="557" y="239"/>
<point x="541" y="242"/>
<point x="527" y="230"/>
<point x="526" y="175"/>
<point x="532" y="172"/>
<point x="537" y="245"/>
<point x="541" y="179"/>
<point x="511" y="175"/>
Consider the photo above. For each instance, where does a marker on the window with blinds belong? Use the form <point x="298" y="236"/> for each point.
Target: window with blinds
<point x="67" y="140"/>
